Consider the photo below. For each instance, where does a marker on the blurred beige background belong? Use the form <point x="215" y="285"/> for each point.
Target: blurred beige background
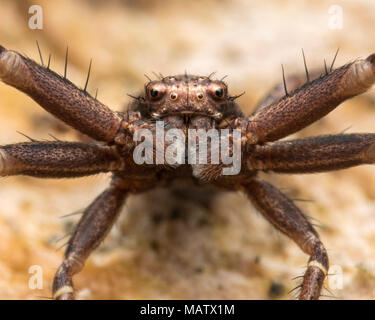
<point x="224" y="252"/>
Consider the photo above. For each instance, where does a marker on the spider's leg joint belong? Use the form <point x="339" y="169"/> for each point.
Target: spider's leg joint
<point x="370" y="153"/>
<point x="317" y="264"/>
<point x="2" y="162"/>
<point x="65" y="290"/>
<point x="9" y="63"/>
<point x="364" y="71"/>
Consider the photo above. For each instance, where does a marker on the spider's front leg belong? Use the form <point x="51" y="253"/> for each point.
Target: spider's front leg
<point x="292" y="82"/>
<point x="57" y="159"/>
<point x="94" y="225"/>
<point x="311" y="102"/>
<point x="59" y="96"/>
<point x="286" y="217"/>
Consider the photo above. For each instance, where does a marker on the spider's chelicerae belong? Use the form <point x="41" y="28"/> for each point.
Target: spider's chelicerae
<point x="189" y="102"/>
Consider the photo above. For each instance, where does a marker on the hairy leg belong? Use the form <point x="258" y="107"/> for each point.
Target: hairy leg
<point x="57" y="159"/>
<point x="292" y="82"/>
<point x="286" y="217"/>
<point x="94" y="225"/>
<point x="314" y="154"/>
<point x="311" y="102"/>
<point x="59" y="96"/>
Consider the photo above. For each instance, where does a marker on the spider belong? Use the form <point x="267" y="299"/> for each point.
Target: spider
<point x="185" y="102"/>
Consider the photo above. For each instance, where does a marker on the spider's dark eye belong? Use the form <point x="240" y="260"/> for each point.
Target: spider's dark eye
<point x="154" y="93"/>
<point x="219" y="92"/>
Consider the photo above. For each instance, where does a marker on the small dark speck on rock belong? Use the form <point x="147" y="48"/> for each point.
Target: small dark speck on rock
<point x="276" y="289"/>
<point x="198" y="270"/>
<point x="154" y="245"/>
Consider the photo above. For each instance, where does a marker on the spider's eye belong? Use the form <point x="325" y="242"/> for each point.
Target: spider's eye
<point x="156" y="91"/>
<point x="219" y="92"/>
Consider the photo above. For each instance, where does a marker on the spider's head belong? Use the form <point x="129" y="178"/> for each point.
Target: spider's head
<point x="187" y="96"/>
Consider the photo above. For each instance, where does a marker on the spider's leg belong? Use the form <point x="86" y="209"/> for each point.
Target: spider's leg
<point x="59" y="96"/>
<point x="314" y="154"/>
<point x="292" y="82"/>
<point x="311" y="102"/>
<point x="286" y="217"/>
<point x="94" y="225"/>
<point x="57" y="159"/>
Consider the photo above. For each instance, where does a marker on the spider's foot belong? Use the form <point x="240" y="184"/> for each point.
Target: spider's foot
<point x="62" y="287"/>
<point x="64" y="293"/>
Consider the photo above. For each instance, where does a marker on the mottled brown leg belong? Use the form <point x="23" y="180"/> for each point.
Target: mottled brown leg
<point x="292" y="82"/>
<point x="94" y="225"/>
<point x="311" y="102"/>
<point x="57" y="159"/>
<point x="314" y="154"/>
<point x="286" y="217"/>
<point x="59" y="96"/>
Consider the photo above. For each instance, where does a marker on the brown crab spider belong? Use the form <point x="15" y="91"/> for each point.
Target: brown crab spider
<point x="188" y="101"/>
